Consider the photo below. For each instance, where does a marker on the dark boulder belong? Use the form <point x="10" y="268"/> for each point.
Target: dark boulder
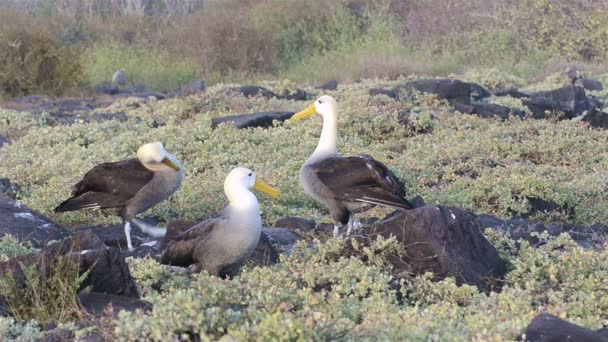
<point x="252" y="91"/>
<point x="519" y="228"/>
<point x="138" y="88"/>
<point x="107" y="88"/>
<point x="448" y="89"/>
<point x="596" y="118"/>
<point x="511" y="92"/>
<point x="8" y="188"/>
<point x="540" y="205"/>
<point x="27" y="225"/>
<point x="96" y="303"/>
<point x="282" y="236"/>
<point x="114" y="235"/>
<point x="298" y="95"/>
<point x="265" y="254"/>
<point x="591" y="84"/>
<point x="108" y="272"/>
<point x="299" y="224"/>
<point x="262" y="119"/>
<point x="143" y="94"/>
<point x="4" y="141"/>
<point x="571" y="100"/>
<point x="192" y="88"/>
<point x="488" y="110"/>
<point x="549" y="328"/>
<point x="478" y="92"/>
<point x="330" y="85"/>
<point x="445" y="241"/>
<point x="387" y="92"/>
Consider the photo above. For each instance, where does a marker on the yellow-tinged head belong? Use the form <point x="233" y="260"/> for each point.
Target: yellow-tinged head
<point x="242" y="177"/>
<point x="154" y="157"/>
<point x="324" y="106"/>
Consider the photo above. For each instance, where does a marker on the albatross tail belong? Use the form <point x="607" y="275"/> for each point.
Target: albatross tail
<point x="149" y="229"/>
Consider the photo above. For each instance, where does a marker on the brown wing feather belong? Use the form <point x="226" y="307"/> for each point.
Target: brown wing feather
<point x="108" y="185"/>
<point x="361" y="179"/>
<point x="180" y="250"/>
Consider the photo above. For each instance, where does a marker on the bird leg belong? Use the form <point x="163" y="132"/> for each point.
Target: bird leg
<point x="336" y="231"/>
<point x="128" y="235"/>
<point x="353" y="224"/>
<point x="149" y="229"/>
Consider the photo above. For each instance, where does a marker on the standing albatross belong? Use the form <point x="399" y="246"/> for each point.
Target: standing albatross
<point x="345" y="185"/>
<point x="129" y="187"/>
<point x="221" y="243"/>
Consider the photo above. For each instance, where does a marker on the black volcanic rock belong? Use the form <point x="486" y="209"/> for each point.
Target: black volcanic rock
<point x="262" y="119"/>
<point x="445" y="241"/>
<point x="596" y="118"/>
<point x="27" y="225"/>
<point x="571" y="100"/>
<point x="330" y="85"/>
<point x="549" y="328"/>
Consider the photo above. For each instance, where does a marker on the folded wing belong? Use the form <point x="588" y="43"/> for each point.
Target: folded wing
<point x="361" y="179"/>
<point x="108" y="185"/>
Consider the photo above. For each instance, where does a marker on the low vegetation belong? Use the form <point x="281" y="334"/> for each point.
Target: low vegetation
<point x="482" y="165"/>
<point x="164" y="44"/>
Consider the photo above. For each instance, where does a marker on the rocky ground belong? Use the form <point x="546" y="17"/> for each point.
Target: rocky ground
<point x="470" y="263"/>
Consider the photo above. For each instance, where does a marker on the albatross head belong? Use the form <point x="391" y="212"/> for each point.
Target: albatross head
<point x="242" y="178"/>
<point x="154" y="157"/>
<point x="326" y="106"/>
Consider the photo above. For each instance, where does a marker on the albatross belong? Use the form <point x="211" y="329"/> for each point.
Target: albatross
<point x="345" y="185"/>
<point x="221" y="243"/>
<point x="129" y="187"/>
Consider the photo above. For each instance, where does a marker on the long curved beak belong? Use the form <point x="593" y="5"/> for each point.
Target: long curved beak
<point x="309" y="111"/>
<point x="265" y="188"/>
<point x="170" y="164"/>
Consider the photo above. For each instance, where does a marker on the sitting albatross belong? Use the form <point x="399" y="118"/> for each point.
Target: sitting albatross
<point x="221" y="243"/>
<point x="129" y="187"/>
<point x="349" y="184"/>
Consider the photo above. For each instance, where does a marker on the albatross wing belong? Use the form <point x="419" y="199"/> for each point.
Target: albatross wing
<point x="361" y="179"/>
<point x="108" y="185"/>
<point x="180" y="250"/>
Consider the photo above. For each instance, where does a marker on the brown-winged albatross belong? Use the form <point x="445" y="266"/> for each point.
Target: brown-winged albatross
<point x="349" y="184"/>
<point x="129" y="187"/>
<point x="221" y="243"/>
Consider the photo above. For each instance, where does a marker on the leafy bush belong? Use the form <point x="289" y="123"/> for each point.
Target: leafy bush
<point x="49" y="295"/>
<point x="318" y="294"/>
<point x="10" y="247"/>
<point x="34" y="62"/>
<point x="12" y="330"/>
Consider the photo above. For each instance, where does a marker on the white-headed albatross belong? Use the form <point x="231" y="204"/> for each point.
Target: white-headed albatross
<point x="345" y="185"/>
<point x="129" y="187"/>
<point x="221" y="243"/>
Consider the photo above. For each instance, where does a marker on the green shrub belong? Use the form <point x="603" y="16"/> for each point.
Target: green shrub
<point x="34" y="62"/>
<point x="49" y="295"/>
<point x="10" y="247"/>
<point x="12" y="330"/>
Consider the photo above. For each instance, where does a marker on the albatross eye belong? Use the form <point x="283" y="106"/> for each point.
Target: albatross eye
<point x="250" y="174"/>
<point x="320" y="102"/>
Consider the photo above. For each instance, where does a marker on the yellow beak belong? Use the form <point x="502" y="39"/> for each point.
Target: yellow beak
<point x="265" y="188"/>
<point x="170" y="164"/>
<point x="309" y="111"/>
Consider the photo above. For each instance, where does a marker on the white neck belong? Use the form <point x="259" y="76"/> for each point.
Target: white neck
<point x="244" y="206"/>
<point x="327" y="142"/>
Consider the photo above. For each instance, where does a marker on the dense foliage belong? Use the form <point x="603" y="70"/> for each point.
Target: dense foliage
<point x="485" y="165"/>
<point x="164" y="44"/>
